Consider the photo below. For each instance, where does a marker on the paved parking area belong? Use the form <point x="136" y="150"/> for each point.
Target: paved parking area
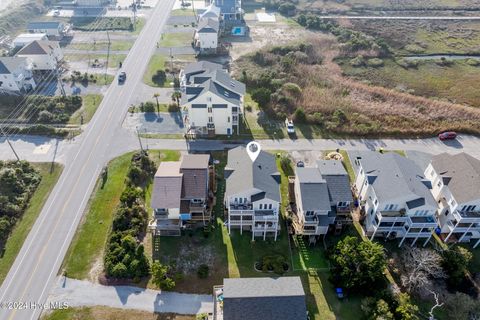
<point x="160" y="123"/>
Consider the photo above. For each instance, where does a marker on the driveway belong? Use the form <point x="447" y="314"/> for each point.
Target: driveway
<point x="78" y="293"/>
<point x="152" y="122"/>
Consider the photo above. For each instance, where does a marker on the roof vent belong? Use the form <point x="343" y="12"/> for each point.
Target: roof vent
<point x="226" y="93"/>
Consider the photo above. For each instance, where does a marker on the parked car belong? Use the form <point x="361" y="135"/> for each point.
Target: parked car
<point x="449" y="135"/>
<point x="289" y="125"/>
<point x="122" y="77"/>
<point x="300" y="164"/>
<point x="56" y="13"/>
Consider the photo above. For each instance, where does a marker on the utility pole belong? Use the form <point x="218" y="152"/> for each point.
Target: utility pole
<point x="139" y="140"/>
<point x="134" y="9"/>
<point x="57" y="74"/>
<point x="108" y="55"/>
<point x="9" y="143"/>
<point x="171" y="62"/>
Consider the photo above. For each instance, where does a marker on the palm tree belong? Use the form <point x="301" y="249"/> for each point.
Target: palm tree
<point x="156" y="95"/>
<point x="176" y="95"/>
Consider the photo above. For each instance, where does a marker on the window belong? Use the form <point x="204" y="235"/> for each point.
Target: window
<point x="261" y="206"/>
<point x="209" y="99"/>
<point x="309" y="213"/>
<point x="210" y="119"/>
<point x="270" y="206"/>
<point x="439" y="184"/>
<point x="239" y="200"/>
<point x="376" y="202"/>
<point x="366" y="182"/>
<point x="228" y="119"/>
<point x="209" y="109"/>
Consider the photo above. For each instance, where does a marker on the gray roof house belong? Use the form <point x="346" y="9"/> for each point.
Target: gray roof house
<point x="280" y="298"/>
<point x="321" y="193"/>
<point x="208" y="25"/>
<point x="180" y="194"/>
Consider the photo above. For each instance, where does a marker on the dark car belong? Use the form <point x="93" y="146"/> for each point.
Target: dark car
<point x="450" y="135"/>
<point x="122" y="77"/>
<point x="300" y="164"/>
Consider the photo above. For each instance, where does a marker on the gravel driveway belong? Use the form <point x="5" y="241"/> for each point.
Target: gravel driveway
<point x="77" y="293"/>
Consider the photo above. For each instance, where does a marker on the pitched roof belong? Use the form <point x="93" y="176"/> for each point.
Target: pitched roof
<point x="393" y="175"/>
<point x="38" y="47"/>
<point x="208" y="25"/>
<point x="10" y="64"/>
<point x="167" y="185"/>
<point x="211" y="12"/>
<point x="261" y="174"/>
<point x="463" y="172"/>
<point x="313" y="189"/>
<point x="195" y="176"/>
<point x="280" y="298"/>
<point x="44" y="25"/>
<point x="200" y="67"/>
<point x="338" y="182"/>
<point x="195" y="161"/>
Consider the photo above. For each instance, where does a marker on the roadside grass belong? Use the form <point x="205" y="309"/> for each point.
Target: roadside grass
<point x="182" y="12"/>
<point x="157" y="62"/>
<point x="50" y="175"/>
<point x="89" y="241"/>
<point x="88" y="109"/>
<point x="102" y="45"/>
<point x="136" y="109"/>
<point x="455" y="83"/>
<point x="100" y="312"/>
<point x="113" y="60"/>
<point x="176" y="39"/>
<point x="104" y="23"/>
<point x="139" y="26"/>
<point x="91" y="236"/>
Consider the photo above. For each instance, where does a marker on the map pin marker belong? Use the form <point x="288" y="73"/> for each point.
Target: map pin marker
<point x="253" y="150"/>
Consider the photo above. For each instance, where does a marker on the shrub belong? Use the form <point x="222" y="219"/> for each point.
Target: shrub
<point x="149" y="107"/>
<point x="173" y="107"/>
<point x="414" y="48"/>
<point x="300" y="115"/>
<point x="286" y="165"/>
<point x="159" y="77"/>
<point x="444" y="62"/>
<point x="473" y="62"/>
<point x="375" y="62"/>
<point x="287" y="9"/>
<point x="202" y="271"/>
<point x="276" y="263"/>
<point x="407" y="63"/>
<point x="358" y="61"/>
<point x="455" y="263"/>
<point x="262" y="96"/>
<point x="340" y="117"/>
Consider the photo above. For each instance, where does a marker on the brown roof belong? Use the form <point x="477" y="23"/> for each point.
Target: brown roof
<point x="38" y="47"/>
<point x="167" y="186"/>
<point x="195" y="161"/>
<point x="464" y="173"/>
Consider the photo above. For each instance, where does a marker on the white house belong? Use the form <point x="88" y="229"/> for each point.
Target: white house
<point x="44" y="54"/>
<point x="395" y="197"/>
<point x="53" y="29"/>
<point x="206" y="35"/>
<point x="456" y="187"/>
<point x="252" y="194"/>
<point x="16" y="74"/>
<point x="321" y="193"/>
<point x="212" y="99"/>
<point x="25" y="38"/>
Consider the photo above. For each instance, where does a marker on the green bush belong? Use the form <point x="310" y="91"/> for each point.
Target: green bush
<point x="149" y="107"/>
<point x="455" y="264"/>
<point x="261" y="96"/>
<point x="276" y="263"/>
<point x="173" y="107"/>
<point x="358" y="61"/>
<point x="159" y="77"/>
<point x="473" y="62"/>
<point x="375" y="62"/>
<point x="300" y="116"/>
<point x="407" y="63"/>
<point x="202" y="271"/>
<point x="414" y="48"/>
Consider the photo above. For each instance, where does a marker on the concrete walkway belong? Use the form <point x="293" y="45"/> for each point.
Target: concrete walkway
<point x="78" y="293"/>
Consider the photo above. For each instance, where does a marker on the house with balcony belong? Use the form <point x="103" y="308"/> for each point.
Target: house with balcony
<point x="44" y="54"/>
<point x="16" y="75"/>
<point x="181" y="195"/>
<point x="207" y="33"/>
<point x="321" y="194"/>
<point x="281" y="298"/>
<point x="212" y="100"/>
<point x="456" y="188"/>
<point x="252" y="195"/>
<point x="232" y="17"/>
<point x="395" y="197"/>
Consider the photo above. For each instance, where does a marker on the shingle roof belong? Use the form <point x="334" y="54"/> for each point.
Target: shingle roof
<point x="337" y="179"/>
<point x="211" y="12"/>
<point x="167" y="186"/>
<point x="331" y="167"/>
<point x="195" y="161"/>
<point x="393" y="175"/>
<point x="208" y="25"/>
<point x="313" y="189"/>
<point x="10" y="64"/>
<point x="262" y="174"/>
<point x="38" y="47"/>
<point x="195" y="176"/>
<point x="44" y="25"/>
<point x="463" y="172"/>
<point x="200" y="67"/>
<point x="280" y="298"/>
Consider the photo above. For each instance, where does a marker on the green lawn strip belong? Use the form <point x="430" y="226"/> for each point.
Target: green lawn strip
<point x="88" y="109"/>
<point x="113" y="60"/>
<point x="102" y="45"/>
<point x="157" y="62"/>
<point x="307" y="257"/>
<point x="50" y="174"/>
<point x="187" y="12"/>
<point x="176" y="39"/>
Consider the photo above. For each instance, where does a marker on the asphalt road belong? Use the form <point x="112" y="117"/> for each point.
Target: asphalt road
<point x="33" y="272"/>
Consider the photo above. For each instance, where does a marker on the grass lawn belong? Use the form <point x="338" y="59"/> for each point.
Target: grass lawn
<point x="307" y="257"/>
<point x="50" y="174"/>
<point x="456" y="83"/>
<point x="89" y="241"/>
<point x="88" y="109"/>
<point x="157" y="62"/>
<point x="182" y="12"/>
<point x="102" y="45"/>
<point x="176" y="39"/>
<point x="113" y="60"/>
<point x="98" y="312"/>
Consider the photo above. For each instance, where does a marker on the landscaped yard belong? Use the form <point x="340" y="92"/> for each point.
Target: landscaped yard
<point x="88" y="109"/>
<point x="157" y="62"/>
<point x="176" y="39"/>
<point x="50" y="174"/>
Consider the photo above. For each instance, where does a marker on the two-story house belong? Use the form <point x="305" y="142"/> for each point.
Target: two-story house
<point x="321" y="193"/>
<point x="16" y="74"/>
<point x="207" y="32"/>
<point x="395" y="197"/>
<point x="45" y="55"/>
<point x="252" y="194"/>
<point x="212" y="99"/>
<point x="53" y="29"/>
<point x="456" y="187"/>
<point x="181" y="194"/>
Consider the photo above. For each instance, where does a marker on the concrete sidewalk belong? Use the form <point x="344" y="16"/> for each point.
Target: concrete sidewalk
<point x="78" y="293"/>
